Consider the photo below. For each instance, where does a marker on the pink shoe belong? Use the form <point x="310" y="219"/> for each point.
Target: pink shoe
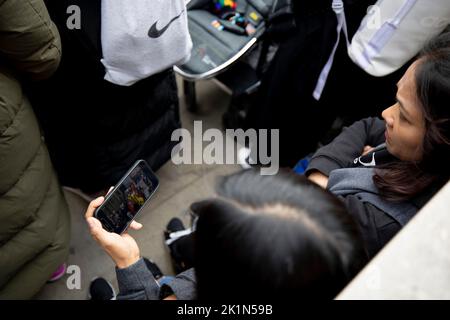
<point x="58" y="274"/>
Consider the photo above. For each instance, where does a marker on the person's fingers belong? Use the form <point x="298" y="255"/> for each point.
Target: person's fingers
<point x="97" y="231"/>
<point x="94" y="225"/>
<point x="135" y="225"/>
<point x="93" y="205"/>
<point x="367" y="149"/>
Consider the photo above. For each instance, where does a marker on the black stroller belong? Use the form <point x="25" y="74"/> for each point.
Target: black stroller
<point x="221" y="39"/>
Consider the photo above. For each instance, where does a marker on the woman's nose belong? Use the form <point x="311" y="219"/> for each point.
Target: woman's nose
<point x="387" y="116"/>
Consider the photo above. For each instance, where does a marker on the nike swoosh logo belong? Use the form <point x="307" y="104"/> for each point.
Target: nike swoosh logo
<point x="366" y="164"/>
<point x="153" y="32"/>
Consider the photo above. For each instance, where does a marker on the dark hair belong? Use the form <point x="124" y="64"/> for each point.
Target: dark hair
<point x="273" y="237"/>
<point x="403" y="180"/>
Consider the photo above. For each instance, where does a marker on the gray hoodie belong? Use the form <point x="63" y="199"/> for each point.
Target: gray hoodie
<point x="137" y="283"/>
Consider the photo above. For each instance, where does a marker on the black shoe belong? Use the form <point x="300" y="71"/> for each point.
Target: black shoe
<point x="154" y="269"/>
<point x="180" y="247"/>
<point x="100" y="289"/>
<point x="174" y="225"/>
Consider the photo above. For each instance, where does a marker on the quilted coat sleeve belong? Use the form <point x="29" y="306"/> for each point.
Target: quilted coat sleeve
<point x="29" y="40"/>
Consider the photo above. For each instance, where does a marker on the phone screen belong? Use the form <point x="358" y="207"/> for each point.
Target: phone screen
<point x="123" y="204"/>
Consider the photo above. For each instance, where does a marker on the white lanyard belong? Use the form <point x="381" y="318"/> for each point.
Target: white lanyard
<point x="338" y="8"/>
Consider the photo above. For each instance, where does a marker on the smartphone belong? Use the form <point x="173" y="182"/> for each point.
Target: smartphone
<point x="128" y="197"/>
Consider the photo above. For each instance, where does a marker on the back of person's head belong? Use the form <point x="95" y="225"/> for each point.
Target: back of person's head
<point x="273" y="237"/>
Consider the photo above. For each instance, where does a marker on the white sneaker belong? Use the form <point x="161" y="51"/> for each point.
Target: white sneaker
<point x="244" y="157"/>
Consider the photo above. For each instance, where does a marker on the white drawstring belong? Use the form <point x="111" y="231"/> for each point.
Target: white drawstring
<point x="338" y="8"/>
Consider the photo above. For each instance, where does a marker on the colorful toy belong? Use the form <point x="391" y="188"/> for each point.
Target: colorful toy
<point x="216" y="24"/>
<point x="224" y="5"/>
<point x="229" y="18"/>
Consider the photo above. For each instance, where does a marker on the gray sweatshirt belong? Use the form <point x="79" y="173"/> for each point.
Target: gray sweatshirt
<point x="137" y="283"/>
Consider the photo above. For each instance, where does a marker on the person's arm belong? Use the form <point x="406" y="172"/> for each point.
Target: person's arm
<point x="319" y="178"/>
<point x="182" y="287"/>
<point x="350" y="144"/>
<point x="29" y="40"/>
<point x="135" y="280"/>
<point x="322" y="180"/>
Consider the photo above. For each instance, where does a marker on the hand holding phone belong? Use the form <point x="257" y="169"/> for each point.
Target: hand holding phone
<point x="127" y="199"/>
<point x="122" y="248"/>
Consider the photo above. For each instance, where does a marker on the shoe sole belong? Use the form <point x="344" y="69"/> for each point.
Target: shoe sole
<point x="59" y="276"/>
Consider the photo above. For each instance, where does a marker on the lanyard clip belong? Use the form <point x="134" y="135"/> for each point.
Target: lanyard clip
<point x="338" y="6"/>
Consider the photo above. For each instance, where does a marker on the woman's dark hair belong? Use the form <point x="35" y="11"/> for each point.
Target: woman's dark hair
<point x="401" y="181"/>
<point x="273" y="237"/>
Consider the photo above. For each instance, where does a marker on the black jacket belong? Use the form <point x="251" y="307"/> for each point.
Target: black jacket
<point x="285" y="99"/>
<point x="96" y="130"/>
<point x="377" y="227"/>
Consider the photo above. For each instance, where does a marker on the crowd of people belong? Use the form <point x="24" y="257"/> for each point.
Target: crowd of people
<point x="286" y="236"/>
